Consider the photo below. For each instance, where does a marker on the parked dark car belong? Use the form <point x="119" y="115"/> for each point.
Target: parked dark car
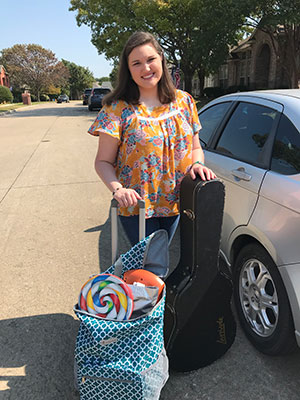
<point x="251" y="140"/>
<point x="86" y="96"/>
<point x="95" y="99"/>
<point x="63" y="98"/>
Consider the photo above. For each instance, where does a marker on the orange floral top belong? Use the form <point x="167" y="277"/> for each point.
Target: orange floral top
<point x="155" y="149"/>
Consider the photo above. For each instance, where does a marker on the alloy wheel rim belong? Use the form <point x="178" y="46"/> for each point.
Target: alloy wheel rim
<point x="258" y="297"/>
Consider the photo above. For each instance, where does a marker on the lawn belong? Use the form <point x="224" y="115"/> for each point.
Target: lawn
<point x="14" y="106"/>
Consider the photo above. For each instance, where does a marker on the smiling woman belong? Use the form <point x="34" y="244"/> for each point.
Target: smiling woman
<point x="145" y="66"/>
<point x="148" y="139"/>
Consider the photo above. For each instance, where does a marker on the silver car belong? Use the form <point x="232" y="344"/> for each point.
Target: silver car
<point x="252" y="142"/>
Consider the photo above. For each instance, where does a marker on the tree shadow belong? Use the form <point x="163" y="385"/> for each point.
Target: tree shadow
<point x="37" y="357"/>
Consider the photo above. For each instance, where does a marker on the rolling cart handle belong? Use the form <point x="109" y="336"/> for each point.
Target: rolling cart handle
<point x="114" y="226"/>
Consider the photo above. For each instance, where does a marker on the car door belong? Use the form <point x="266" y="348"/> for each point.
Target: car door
<point x="278" y="210"/>
<point x="239" y="154"/>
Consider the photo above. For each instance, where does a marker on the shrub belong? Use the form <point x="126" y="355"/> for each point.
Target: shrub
<point x="44" y="97"/>
<point x="17" y="93"/>
<point x="215" y="91"/>
<point x="33" y="97"/>
<point x="237" y="88"/>
<point x="5" y="95"/>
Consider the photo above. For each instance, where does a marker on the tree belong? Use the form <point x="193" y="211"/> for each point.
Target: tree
<point x="52" y="91"/>
<point x="79" y="79"/>
<point x="113" y="76"/>
<point x="280" y="19"/>
<point x="5" y="95"/>
<point x="33" y="66"/>
<point x="195" y="33"/>
<point x="102" y="79"/>
<point x="111" y="23"/>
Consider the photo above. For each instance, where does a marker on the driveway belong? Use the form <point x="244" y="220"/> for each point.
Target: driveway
<point x="55" y="233"/>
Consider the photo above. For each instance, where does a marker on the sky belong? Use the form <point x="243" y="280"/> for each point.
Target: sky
<point x="50" y="24"/>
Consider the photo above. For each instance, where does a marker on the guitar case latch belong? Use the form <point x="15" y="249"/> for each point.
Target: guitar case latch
<point x="190" y="214"/>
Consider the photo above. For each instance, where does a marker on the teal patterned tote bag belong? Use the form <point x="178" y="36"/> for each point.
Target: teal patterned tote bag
<point x="125" y="360"/>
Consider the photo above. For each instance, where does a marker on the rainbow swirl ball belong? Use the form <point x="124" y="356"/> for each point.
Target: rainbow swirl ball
<point x="106" y="296"/>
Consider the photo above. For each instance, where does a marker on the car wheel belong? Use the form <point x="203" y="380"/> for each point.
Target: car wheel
<point x="90" y="108"/>
<point x="262" y="303"/>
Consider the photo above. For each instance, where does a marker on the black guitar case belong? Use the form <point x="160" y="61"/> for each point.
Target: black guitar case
<point x="199" y="326"/>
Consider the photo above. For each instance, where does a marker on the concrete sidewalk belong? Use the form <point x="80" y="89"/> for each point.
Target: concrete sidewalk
<point x="53" y="212"/>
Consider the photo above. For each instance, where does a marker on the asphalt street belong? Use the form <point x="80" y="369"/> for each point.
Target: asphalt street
<point x="55" y="233"/>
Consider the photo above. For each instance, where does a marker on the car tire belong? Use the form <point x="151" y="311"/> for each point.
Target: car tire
<point x="90" y="108"/>
<point x="262" y="303"/>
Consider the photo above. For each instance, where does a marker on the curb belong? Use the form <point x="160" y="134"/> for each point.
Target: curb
<point x="2" y="114"/>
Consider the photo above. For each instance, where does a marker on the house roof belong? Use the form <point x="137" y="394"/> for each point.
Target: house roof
<point x="244" y="44"/>
<point x="3" y="68"/>
<point x="241" y="47"/>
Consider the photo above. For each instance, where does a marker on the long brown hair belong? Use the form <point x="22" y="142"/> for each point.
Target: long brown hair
<point x="126" y="88"/>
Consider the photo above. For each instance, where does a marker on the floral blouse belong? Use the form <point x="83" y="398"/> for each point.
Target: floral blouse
<point x="155" y="149"/>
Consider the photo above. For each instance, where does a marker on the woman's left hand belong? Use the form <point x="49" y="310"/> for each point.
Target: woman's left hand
<point x="204" y="172"/>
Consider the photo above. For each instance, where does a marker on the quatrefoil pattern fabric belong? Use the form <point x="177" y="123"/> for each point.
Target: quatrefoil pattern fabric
<point x="122" y="360"/>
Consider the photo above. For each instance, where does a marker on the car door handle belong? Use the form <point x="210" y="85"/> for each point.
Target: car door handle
<point x="241" y="174"/>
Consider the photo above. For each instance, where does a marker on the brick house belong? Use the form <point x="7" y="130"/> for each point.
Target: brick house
<point x="251" y="64"/>
<point x="4" y="78"/>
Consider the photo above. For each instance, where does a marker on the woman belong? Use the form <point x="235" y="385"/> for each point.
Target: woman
<point x="148" y="138"/>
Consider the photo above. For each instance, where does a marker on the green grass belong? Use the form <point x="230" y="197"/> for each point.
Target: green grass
<point x="14" y="106"/>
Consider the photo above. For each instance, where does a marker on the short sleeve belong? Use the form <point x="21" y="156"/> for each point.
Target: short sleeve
<point x="108" y="121"/>
<point x="194" y="118"/>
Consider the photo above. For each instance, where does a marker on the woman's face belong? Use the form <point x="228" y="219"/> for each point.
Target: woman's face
<point x="145" y="66"/>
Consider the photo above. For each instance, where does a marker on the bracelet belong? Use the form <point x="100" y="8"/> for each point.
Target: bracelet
<point x="198" y="162"/>
<point x="113" y="193"/>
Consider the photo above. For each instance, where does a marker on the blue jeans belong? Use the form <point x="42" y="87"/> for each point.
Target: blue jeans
<point x="131" y="226"/>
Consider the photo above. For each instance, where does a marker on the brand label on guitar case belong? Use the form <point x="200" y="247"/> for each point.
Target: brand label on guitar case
<point x="221" y="331"/>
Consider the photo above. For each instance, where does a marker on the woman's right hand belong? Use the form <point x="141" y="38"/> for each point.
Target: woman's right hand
<point x="126" y="197"/>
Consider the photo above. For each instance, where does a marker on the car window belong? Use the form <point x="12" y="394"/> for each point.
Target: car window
<point x="210" y="120"/>
<point x="101" y="91"/>
<point x="286" y="149"/>
<point x="246" y="132"/>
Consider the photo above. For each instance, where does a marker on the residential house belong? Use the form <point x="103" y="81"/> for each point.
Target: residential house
<point x="252" y="64"/>
<point x="4" y="78"/>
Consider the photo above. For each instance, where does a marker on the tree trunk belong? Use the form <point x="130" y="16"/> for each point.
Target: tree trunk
<point x="286" y="48"/>
<point x="294" y="80"/>
<point x="188" y="73"/>
<point x="294" y="71"/>
<point x="290" y="65"/>
<point x="201" y="77"/>
<point x="187" y="81"/>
